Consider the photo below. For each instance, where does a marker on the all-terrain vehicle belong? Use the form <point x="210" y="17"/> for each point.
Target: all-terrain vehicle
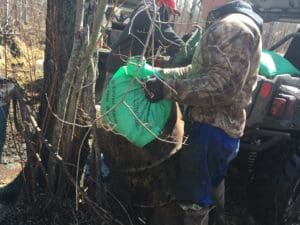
<point x="265" y="177"/>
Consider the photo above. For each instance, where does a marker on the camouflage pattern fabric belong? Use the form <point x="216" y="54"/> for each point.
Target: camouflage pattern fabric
<point x="224" y="71"/>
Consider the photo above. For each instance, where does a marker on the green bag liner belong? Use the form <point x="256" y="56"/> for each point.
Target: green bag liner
<point x="272" y="64"/>
<point x="127" y="111"/>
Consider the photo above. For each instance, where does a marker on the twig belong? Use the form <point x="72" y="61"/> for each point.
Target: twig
<point x="106" y="216"/>
<point x="63" y="121"/>
<point x="144" y="125"/>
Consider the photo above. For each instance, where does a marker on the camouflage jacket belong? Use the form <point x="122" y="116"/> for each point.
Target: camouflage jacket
<point x="218" y="85"/>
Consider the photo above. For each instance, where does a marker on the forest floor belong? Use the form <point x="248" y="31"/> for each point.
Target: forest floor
<point x="25" y="68"/>
<point x="13" y="156"/>
<point x="42" y="211"/>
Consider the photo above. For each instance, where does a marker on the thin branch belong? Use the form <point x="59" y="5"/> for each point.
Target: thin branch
<point x="79" y="15"/>
<point x="144" y="125"/>
<point x="63" y="121"/>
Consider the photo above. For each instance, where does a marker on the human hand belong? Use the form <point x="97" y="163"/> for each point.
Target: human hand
<point x="153" y="89"/>
<point x="196" y="26"/>
<point x="176" y="12"/>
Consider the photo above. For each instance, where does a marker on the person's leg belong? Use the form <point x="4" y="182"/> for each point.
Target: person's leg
<point x="218" y="196"/>
<point x="223" y="150"/>
<point x="169" y="214"/>
<point x="194" y="188"/>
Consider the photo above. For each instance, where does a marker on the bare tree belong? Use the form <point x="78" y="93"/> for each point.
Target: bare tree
<point x="188" y="17"/>
<point x="64" y="118"/>
<point x="193" y="8"/>
<point x="24" y="11"/>
<point x="6" y="7"/>
<point x="58" y="146"/>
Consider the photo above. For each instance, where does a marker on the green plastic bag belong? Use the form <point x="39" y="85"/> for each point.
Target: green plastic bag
<point x="126" y="109"/>
<point x="272" y="64"/>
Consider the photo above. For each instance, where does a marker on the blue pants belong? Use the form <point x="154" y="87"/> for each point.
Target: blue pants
<point x="204" y="161"/>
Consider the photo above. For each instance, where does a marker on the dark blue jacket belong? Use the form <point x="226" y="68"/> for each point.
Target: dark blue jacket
<point x="133" y="38"/>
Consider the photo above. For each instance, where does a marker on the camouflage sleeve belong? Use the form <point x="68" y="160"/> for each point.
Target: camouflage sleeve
<point x="225" y="51"/>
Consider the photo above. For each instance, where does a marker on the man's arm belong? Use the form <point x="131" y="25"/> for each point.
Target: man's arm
<point x="167" y="37"/>
<point x="185" y="55"/>
<point x="226" y="51"/>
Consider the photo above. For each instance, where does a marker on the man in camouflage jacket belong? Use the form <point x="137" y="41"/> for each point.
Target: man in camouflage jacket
<point x="216" y="88"/>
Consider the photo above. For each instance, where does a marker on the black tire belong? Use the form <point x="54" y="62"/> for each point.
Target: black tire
<point x="274" y="187"/>
<point x="238" y="177"/>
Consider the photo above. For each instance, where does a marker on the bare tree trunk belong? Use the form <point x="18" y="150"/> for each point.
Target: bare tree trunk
<point x="193" y="8"/>
<point x="15" y="9"/>
<point x="183" y="24"/>
<point x="6" y="8"/>
<point x="24" y="11"/>
<point x="185" y="14"/>
<point x="64" y="117"/>
<point x="57" y="53"/>
<point x="268" y="35"/>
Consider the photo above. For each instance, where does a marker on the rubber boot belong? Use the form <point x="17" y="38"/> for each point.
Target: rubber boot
<point x="194" y="214"/>
<point x="219" y="202"/>
<point x="170" y="214"/>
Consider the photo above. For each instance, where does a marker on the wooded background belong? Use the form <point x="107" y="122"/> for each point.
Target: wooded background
<point x="31" y="14"/>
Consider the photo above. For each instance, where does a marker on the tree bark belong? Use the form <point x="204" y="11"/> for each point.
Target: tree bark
<point x="193" y="8"/>
<point x="64" y="117"/>
<point x="24" y="11"/>
<point x="6" y="7"/>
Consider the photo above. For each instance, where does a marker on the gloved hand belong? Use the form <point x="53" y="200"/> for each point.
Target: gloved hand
<point x="154" y="89"/>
